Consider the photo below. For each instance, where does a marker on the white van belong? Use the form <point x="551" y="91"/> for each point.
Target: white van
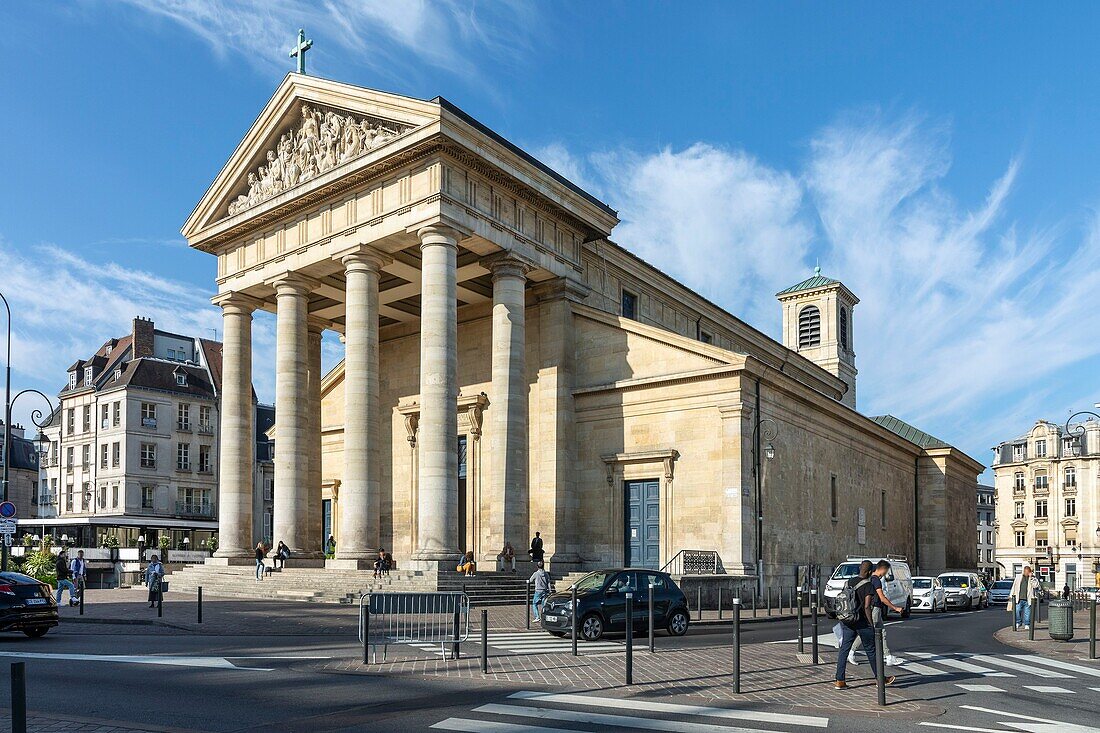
<point x="963" y="590"/>
<point x="897" y="584"/>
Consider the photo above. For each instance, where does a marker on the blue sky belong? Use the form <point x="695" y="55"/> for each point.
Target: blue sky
<point x="939" y="159"/>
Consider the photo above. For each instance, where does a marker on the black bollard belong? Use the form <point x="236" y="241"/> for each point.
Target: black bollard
<point x="880" y="666"/>
<point x="754" y="601"/>
<point x="82" y="598"/>
<point x="813" y="627"/>
<point x="652" y="648"/>
<point x="484" y="641"/>
<point x="1015" y="605"/>
<point x="160" y="598"/>
<point x="573" y="619"/>
<point x="801" y="627"/>
<point x="527" y="602"/>
<point x="699" y="602"/>
<point x="366" y="632"/>
<point x="737" y="646"/>
<point x="629" y="638"/>
<point x="768" y="592"/>
<point x="200" y="604"/>
<point x="1092" y="627"/>
<point x="456" y="622"/>
<point x="19" y="697"/>
<point x="1034" y="619"/>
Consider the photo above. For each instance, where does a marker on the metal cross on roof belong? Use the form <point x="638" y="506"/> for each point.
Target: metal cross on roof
<point x="299" y="51"/>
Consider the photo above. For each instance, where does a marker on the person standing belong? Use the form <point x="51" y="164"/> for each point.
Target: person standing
<point x="541" y="579"/>
<point x="153" y="576"/>
<point x="861" y="625"/>
<point x="878" y="613"/>
<point x="536" y="548"/>
<point x="1025" y="589"/>
<point x="260" y="552"/>
<point x="61" y="568"/>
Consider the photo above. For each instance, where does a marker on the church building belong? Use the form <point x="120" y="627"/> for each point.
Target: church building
<point x="510" y="369"/>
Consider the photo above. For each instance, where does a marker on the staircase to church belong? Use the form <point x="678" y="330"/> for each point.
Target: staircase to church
<point x="317" y="585"/>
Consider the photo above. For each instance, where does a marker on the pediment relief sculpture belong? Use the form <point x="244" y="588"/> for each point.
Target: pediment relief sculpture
<point x="323" y="140"/>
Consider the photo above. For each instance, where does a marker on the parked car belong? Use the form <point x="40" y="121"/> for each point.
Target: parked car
<point x="26" y="605"/>
<point x="928" y="594"/>
<point x="601" y="604"/>
<point x="963" y="590"/>
<point x="1091" y="592"/>
<point x="897" y="584"/>
<point x="1000" y="591"/>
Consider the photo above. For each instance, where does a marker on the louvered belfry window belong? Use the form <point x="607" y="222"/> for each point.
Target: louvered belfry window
<point x="844" y="328"/>
<point x="809" y="327"/>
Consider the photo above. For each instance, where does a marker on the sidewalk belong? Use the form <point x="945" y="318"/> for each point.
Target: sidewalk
<point x="43" y="723"/>
<point x="1075" y="650"/>
<point x="769" y="675"/>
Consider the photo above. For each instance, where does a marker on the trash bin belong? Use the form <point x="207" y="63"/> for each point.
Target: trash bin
<point x="1060" y="620"/>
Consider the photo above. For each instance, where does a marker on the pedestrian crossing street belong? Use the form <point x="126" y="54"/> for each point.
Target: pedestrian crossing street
<point x="1028" y="671"/>
<point x="548" y="712"/>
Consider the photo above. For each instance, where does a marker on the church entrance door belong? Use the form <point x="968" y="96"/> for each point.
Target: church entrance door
<point x="643" y="524"/>
<point x="464" y="540"/>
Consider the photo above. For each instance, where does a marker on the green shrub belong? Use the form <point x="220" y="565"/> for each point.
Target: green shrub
<point x="110" y="541"/>
<point x="40" y="565"/>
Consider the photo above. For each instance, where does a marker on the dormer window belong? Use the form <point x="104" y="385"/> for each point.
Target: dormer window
<point x="72" y="380"/>
<point x="181" y="379"/>
<point x="118" y="372"/>
<point x="87" y="376"/>
<point x="109" y="349"/>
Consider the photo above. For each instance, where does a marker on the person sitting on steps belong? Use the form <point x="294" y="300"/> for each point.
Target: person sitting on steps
<point x="467" y="566"/>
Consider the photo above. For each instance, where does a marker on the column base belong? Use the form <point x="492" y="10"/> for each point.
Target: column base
<point x="434" y="565"/>
<point x="305" y="562"/>
<point x="227" y="560"/>
<point x="349" y="563"/>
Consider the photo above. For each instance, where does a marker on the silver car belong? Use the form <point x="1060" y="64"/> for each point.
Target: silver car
<point x="1000" y="591"/>
<point x="928" y="594"/>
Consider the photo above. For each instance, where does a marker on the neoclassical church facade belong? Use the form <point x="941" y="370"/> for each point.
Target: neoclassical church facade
<point x="510" y="369"/>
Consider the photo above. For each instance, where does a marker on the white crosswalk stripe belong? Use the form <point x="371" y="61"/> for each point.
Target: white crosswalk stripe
<point x="979" y="688"/>
<point x="1028" y="668"/>
<point x="540" y="642"/>
<point x="1064" y="666"/>
<point x="947" y="661"/>
<point x="548" y="712"/>
<point x="1049" y="690"/>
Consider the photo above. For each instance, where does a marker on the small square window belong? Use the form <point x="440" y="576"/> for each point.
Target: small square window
<point x="630" y="305"/>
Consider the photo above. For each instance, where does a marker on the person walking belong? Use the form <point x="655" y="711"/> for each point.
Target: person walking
<point x="541" y="579"/>
<point x="79" y="569"/>
<point x="878" y="613"/>
<point x="1065" y="592"/>
<point x="536" y="548"/>
<point x="860" y="624"/>
<point x="153" y="575"/>
<point x="1025" y="589"/>
<point x="260" y="552"/>
<point x="64" y="575"/>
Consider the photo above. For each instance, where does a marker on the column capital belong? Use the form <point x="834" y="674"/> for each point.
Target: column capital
<point x="439" y="234"/>
<point x="362" y="257"/>
<point x="292" y="282"/>
<point x="505" y="264"/>
<point x="236" y="301"/>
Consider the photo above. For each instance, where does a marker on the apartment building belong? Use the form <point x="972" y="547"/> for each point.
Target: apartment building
<point x="1047" y="487"/>
<point x="987" y="541"/>
<point x="132" y="449"/>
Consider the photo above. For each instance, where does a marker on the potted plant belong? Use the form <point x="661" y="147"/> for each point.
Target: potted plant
<point x="211" y="544"/>
<point x="110" y="541"/>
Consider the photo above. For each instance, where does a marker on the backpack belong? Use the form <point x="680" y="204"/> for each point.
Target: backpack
<point x="847" y="606"/>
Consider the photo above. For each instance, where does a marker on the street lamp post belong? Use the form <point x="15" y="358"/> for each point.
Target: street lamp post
<point x="1078" y="431"/>
<point x="765" y="429"/>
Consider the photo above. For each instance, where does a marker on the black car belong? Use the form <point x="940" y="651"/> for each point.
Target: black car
<point x="601" y="604"/>
<point x="26" y="605"/>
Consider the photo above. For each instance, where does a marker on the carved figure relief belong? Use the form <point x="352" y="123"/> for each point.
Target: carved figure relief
<point x="323" y="140"/>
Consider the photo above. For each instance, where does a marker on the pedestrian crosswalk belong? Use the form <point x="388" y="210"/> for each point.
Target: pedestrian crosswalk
<point x="540" y="642"/>
<point x="549" y="712"/>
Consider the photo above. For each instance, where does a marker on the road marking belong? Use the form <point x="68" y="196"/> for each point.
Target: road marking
<point x="922" y="669"/>
<point x="1058" y="665"/>
<point x="957" y="664"/>
<point x="980" y="688"/>
<point x="207" y="662"/>
<point x="1037" y="725"/>
<point x="671" y="708"/>
<point x="1037" y="671"/>
<point x="962" y="727"/>
<point x="1049" y="689"/>
<point x="481" y="726"/>
<point x="630" y="722"/>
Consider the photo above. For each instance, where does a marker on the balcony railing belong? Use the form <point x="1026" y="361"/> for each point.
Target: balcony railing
<point x="206" y="429"/>
<point x="149" y="422"/>
<point x="183" y="426"/>
<point x="1041" y="488"/>
<point x="695" y="562"/>
<point x="183" y="465"/>
<point x="195" y="509"/>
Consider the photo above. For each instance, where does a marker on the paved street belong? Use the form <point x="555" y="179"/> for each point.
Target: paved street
<point x="240" y="673"/>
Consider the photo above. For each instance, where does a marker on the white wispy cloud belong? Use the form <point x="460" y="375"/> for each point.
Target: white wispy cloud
<point x="394" y="39"/>
<point x="970" y="324"/>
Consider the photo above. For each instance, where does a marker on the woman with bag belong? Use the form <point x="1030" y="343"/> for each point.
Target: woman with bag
<point x="153" y="575"/>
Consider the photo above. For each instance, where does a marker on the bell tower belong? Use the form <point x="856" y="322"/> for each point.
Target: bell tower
<point x="817" y="323"/>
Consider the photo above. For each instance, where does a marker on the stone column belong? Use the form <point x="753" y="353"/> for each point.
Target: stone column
<point x="359" y="492"/>
<point x="508" y="410"/>
<point x="315" y="543"/>
<point x="237" y="431"/>
<point x="292" y="423"/>
<point x="437" y="506"/>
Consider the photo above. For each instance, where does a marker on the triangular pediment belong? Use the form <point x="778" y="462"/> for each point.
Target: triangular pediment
<point x="310" y="129"/>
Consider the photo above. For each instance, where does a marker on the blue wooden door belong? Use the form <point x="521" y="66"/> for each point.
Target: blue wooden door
<point x="643" y="524"/>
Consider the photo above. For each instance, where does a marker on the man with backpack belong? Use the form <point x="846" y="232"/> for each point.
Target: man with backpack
<point x="879" y="604"/>
<point x="854" y="613"/>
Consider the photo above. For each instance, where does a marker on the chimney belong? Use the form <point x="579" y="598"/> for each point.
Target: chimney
<point x="143" y="337"/>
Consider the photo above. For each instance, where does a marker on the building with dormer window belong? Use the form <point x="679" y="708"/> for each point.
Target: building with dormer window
<point x="1048" y="503"/>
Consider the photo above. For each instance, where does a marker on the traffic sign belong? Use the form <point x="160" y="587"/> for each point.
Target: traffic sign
<point x="7" y="509"/>
<point x="7" y="527"/>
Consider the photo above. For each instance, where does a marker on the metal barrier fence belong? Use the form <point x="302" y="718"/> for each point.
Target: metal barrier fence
<point x="404" y="618"/>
